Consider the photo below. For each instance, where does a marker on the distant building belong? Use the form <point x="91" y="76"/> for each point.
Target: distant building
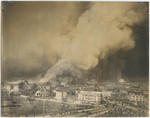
<point x="43" y="93"/>
<point x="46" y="93"/>
<point x="71" y="98"/>
<point x="92" y="97"/>
<point x="15" y="87"/>
<point x="38" y="94"/>
<point x="7" y="87"/>
<point x="135" y="97"/>
<point x="60" y="95"/>
<point x="63" y="84"/>
<point x="106" y="93"/>
<point x="116" y="96"/>
<point x="12" y="87"/>
<point x="146" y="99"/>
<point x="119" y="96"/>
<point x="27" y="85"/>
<point x="45" y="87"/>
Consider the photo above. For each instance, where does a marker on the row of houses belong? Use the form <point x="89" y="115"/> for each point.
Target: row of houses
<point x="11" y="87"/>
<point x="134" y="97"/>
<point x="82" y="96"/>
<point x="95" y="96"/>
<point x="15" y="86"/>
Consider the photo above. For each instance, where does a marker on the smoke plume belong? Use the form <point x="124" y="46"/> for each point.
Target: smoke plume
<point x="103" y="27"/>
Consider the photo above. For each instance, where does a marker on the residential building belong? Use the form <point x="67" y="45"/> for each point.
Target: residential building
<point x="38" y="94"/>
<point x="45" y="86"/>
<point x="60" y="95"/>
<point x="135" y="97"/>
<point x="7" y="87"/>
<point x="92" y="97"/>
<point x="15" y="87"/>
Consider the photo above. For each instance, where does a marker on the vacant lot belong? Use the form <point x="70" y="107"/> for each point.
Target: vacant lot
<point x="38" y="108"/>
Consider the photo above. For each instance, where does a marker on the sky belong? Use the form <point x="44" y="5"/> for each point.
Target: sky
<point x="44" y="40"/>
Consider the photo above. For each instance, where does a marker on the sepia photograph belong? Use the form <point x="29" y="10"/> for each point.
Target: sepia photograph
<point x="74" y="59"/>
